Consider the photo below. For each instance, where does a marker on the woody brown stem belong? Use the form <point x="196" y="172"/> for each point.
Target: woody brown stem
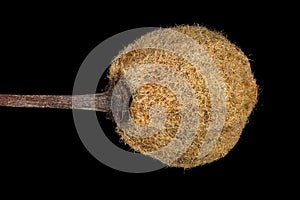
<point x="98" y="102"/>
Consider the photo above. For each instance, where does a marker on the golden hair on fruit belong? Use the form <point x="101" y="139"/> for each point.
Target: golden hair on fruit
<point x="240" y="94"/>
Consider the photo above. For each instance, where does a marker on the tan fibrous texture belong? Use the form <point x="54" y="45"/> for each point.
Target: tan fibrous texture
<point x="240" y="95"/>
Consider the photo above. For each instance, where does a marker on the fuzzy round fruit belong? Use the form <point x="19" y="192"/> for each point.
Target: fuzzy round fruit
<point x="239" y="85"/>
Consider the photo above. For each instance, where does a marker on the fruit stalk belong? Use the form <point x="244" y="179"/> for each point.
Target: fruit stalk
<point x="98" y="102"/>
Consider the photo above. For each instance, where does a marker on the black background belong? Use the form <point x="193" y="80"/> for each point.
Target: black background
<point x="43" y="48"/>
